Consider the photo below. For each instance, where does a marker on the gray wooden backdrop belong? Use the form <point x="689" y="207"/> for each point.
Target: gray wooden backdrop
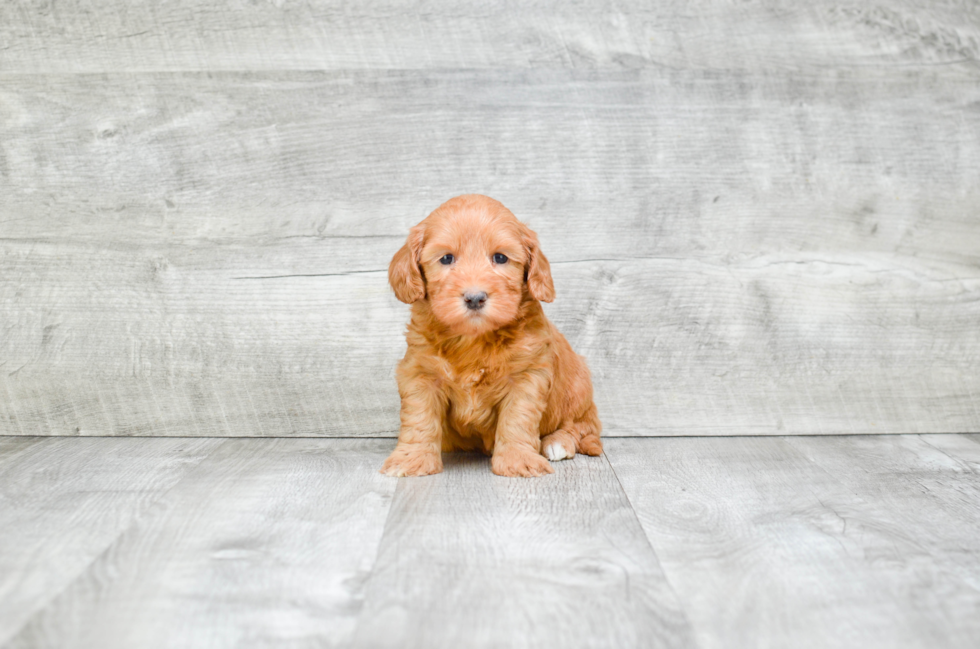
<point x="763" y="217"/>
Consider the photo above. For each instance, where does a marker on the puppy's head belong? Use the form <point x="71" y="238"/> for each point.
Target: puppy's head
<point x="474" y="262"/>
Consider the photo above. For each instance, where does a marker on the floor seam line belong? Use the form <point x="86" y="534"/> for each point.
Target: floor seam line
<point x="377" y="554"/>
<point x="646" y="537"/>
<point x="115" y="539"/>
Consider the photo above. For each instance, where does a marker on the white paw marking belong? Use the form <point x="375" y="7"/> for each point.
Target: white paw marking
<point x="555" y="452"/>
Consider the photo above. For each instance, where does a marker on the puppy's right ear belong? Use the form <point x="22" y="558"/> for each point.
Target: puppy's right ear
<point x="537" y="272"/>
<point x="404" y="273"/>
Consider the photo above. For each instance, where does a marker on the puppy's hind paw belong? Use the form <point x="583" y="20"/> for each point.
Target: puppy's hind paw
<point x="559" y="445"/>
<point x="590" y="445"/>
<point x="555" y="452"/>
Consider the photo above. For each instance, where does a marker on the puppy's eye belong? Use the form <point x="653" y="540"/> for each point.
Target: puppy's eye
<point x="499" y="258"/>
<point x="447" y="259"/>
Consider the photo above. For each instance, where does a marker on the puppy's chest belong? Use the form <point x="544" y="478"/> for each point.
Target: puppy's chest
<point x="474" y="393"/>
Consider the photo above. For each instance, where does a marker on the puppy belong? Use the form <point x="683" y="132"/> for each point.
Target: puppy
<point x="485" y="370"/>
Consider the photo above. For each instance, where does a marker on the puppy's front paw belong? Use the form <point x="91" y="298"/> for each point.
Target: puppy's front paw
<point x="559" y="445"/>
<point x="409" y="461"/>
<point x="514" y="463"/>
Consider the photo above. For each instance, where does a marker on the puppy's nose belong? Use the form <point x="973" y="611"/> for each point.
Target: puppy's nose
<point x="475" y="299"/>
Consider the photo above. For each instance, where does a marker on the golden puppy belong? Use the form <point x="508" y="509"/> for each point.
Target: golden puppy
<point x="485" y="369"/>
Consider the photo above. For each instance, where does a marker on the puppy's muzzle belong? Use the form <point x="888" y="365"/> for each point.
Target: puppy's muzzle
<point x="475" y="300"/>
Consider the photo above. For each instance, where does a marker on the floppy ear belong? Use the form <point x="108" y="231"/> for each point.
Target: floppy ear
<point x="404" y="273"/>
<point x="537" y="272"/>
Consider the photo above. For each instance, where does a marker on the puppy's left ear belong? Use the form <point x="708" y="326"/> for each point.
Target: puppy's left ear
<point x="404" y="273"/>
<point x="537" y="272"/>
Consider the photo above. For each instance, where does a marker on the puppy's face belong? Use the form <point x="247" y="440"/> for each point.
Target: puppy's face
<point x="471" y="259"/>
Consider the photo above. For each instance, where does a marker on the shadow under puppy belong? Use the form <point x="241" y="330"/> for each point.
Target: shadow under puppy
<point x="485" y="369"/>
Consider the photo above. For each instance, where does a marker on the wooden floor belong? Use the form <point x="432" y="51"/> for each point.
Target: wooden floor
<point x="858" y="541"/>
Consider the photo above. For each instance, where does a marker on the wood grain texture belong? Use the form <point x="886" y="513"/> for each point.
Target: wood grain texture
<point x="865" y="541"/>
<point x="630" y="163"/>
<point x="964" y="448"/>
<point x="942" y="496"/>
<point x="267" y="543"/>
<point x="476" y="560"/>
<point x="735" y="253"/>
<point x="40" y="36"/>
<point x="763" y="215"/>
<point x="65" y="503"/>
<point x="934" y="499"/>
<point x="769" y="545"/>
<point x="12" y="447"/>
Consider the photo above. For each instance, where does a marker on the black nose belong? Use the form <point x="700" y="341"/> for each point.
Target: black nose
<point x="475" y="301"/>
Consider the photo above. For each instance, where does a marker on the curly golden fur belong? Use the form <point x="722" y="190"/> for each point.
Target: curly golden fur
<point x="485" y="370"/>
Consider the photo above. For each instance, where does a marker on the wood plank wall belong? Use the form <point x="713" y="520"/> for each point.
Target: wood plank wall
<point x="763" y="217"/>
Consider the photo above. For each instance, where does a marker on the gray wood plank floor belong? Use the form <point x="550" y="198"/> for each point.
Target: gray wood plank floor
<point x="803" y="547"/>
<point x="262" y="543"/>
<point x="709" y="542"/>
<point x="470" y="559"/>
<point x="62" y="507"/>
